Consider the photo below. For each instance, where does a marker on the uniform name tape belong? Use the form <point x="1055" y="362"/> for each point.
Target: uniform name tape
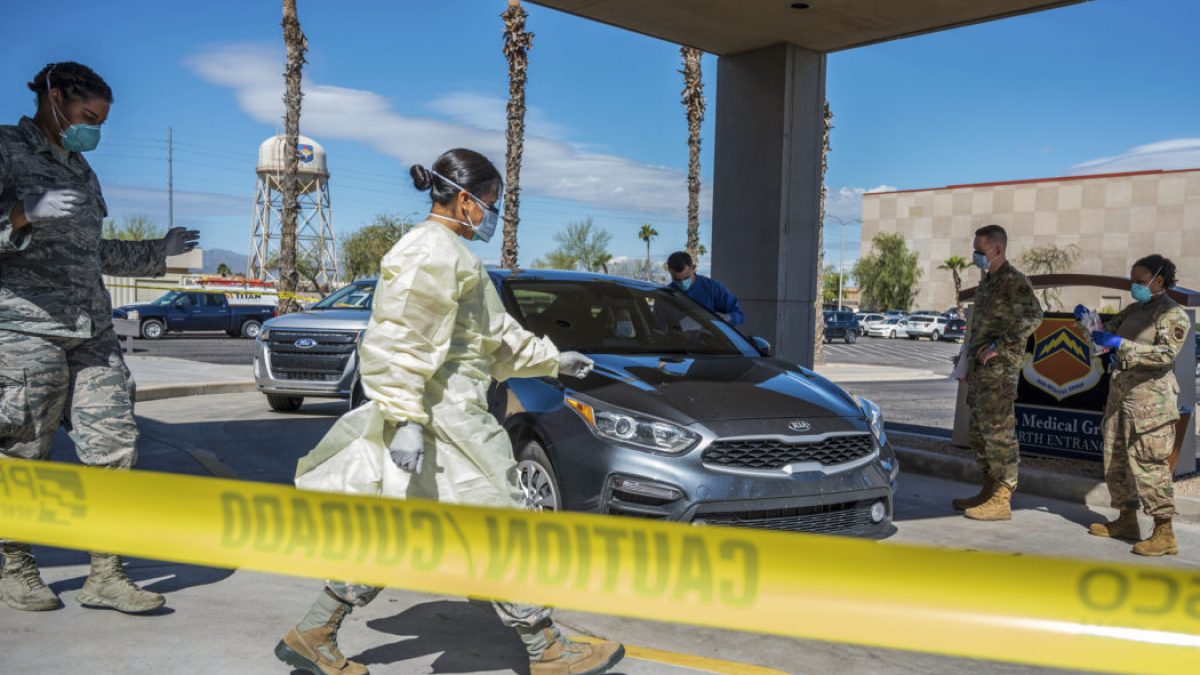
<point x="1044" y="611"/>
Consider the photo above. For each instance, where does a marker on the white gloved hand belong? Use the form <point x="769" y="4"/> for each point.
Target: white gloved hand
<point x="52" y="205"/>
<point x="575" y="364"/>
<point x="181" y="240"/>
<point x="725" y="317"/>
<point x="408" y="448"/>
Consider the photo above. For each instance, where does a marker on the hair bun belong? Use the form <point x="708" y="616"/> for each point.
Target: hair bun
<point x="422" y="179"/>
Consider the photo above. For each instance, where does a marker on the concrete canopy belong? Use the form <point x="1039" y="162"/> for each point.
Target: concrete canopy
<point x="735" y="26"/>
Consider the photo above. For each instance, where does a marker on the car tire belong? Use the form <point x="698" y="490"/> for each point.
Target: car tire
<point x="914" y="337"/>
<point x="936" y="337"/>
<point x="536" y="478"/>
<point x="251" y="329"/>
<point x="851" y="337"/>
<point x="153" y="329"/>
<point x="892" y="335"/>
<point x="281" y="403"/>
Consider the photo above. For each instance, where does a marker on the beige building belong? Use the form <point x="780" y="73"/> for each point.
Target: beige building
<point x="1114" y="219"/>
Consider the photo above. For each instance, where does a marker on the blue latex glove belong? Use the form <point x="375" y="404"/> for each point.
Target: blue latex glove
<point x="1106" y="340"/>
<point x="1080" y="312"/>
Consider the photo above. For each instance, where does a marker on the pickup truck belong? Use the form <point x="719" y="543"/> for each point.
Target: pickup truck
<point x="180" y="311"/>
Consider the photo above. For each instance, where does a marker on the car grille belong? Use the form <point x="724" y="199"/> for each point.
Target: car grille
<point x="776" y="454"/>
<point x="324" y="362"/>
<point x="825" y="518"/>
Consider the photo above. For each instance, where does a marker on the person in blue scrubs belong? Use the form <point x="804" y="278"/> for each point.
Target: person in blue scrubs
<point x="704" y="290"/>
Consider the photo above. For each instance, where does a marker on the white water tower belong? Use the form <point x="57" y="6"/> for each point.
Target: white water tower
<point x="314" y="219"/>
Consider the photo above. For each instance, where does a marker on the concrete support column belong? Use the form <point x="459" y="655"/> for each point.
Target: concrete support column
<point x="766" y="191"/>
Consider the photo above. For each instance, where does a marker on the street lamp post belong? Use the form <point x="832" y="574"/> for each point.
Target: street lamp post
<point x="841" y="255"/>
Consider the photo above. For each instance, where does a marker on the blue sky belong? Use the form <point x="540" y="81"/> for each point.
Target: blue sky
<point x="1108" y="85"/>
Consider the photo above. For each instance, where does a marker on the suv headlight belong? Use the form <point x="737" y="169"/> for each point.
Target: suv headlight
<point x="874" y="417"/>
<point x="264" y="334"/>
<point x="624" y="426"/>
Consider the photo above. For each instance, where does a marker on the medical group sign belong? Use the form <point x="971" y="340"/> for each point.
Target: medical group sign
<point x="1062" y="391"/>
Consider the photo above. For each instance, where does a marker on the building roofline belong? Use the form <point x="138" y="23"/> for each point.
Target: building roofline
<point x="1057" y="179"/>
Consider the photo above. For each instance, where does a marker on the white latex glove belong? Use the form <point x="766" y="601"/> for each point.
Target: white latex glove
<point x="724" y="317"/>
<point x="408" y="448"/>
<point x="181" y="240"/>
<point x="52" y="205"/>
<point x="575" y="364"/>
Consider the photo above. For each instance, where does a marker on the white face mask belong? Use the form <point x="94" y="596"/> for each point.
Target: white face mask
<point x="491" y="215"/>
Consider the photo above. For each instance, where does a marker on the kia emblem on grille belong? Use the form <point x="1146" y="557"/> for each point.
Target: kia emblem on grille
<point x="306" y="343"/>
<point x="800" y="425"/>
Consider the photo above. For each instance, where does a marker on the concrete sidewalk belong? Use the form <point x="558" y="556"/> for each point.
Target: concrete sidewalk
<point x="159" y="377"/>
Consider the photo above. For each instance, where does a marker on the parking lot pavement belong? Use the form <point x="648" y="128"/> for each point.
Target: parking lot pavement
<point x="206" y="347"/>
<point x="921" y="354"/>
<point x="228" y="620"/>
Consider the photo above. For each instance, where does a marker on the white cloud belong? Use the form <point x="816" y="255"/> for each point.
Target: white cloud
<point x="846" y="202"/>
<point x="1179" y="153"/>
<point x="491" y="113"/>
<point x="553" y="168"/>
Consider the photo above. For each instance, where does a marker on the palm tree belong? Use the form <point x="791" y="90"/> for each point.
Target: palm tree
<point x="956" y="264"/>
<point x="223" y="270"/>
<point x="701" y="251"/>
<point x="297" y="45"/>
<point x="517" y="43"/>
<point x="693" y="102"/>
<point x="819" y="321"/>
<point x="647" y="234"/>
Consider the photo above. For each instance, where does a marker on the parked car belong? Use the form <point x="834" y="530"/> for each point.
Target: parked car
<point x="314" y="353"/>
<point x="865" y="320"/>
<point x="891" y="328"/>
<point x="895" y="314"/>
<point x="956" y="330"/>
<point x="928" y="312"/>
<point x="685" y="419"/>
<point x="187" y="311"/>
<point x="927" y="326"/>
<point x="840" y="326"/>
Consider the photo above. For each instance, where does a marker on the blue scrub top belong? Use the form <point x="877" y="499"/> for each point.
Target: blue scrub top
<point x="713" y="295"/>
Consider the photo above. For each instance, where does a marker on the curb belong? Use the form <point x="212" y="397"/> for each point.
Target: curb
<point x="1075" y="489"/>
<point x="160" y="392"/>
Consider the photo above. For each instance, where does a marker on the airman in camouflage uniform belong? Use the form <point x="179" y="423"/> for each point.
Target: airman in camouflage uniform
<point x="60" y="361"/>
<point x="1142" y="409"/>
<point x="1006" y="313"/>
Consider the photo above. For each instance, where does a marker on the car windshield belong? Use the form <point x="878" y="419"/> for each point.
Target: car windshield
<point x="168" y="299"/>
<point x="608" y="317"/>
<point x="355" y="296"/>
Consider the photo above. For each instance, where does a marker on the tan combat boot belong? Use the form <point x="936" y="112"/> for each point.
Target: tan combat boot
<point x="316" y="651"/>
<point x="1161" y="542"/>
<point x="1124" y="527"/>
<point x="985" y="493"/>
<point x="21" y="585"/>
<point x="566" y="657"/>
<point x="108" y="587"/>
<point x="997" y="507"/>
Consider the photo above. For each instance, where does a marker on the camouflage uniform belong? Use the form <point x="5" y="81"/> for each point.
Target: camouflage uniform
<point x="1142" y="408"/>
<point x="1006" y="313"/>
<point x="59" y="356"/>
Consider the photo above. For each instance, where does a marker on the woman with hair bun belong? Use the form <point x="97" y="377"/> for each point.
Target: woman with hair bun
<point x="437" y="337"/>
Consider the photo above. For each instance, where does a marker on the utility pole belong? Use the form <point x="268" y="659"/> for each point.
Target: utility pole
<point x="841" y="255"/>
<point x="170" y="178"/>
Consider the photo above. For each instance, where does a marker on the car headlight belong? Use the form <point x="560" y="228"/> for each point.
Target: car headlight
<point x="874" y="417"/>
<point x="264" y="334"/>
<point x="636" y="429"/>
<point x="133" y="315"/>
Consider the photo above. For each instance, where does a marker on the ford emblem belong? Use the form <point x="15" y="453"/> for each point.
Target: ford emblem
<point x="306" y="343"/>
<point x="800" y="425"/>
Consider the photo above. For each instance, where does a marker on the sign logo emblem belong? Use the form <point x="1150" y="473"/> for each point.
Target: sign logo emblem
<point x="306" y="343"/>
<point x="1062" y="363"/>
<point x="799" y="425"/>
<point x="305" y="152"/>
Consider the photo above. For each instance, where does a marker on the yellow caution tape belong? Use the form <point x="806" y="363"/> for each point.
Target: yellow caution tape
<point x="1044" y="611"/>
<point x="306" y="297"/>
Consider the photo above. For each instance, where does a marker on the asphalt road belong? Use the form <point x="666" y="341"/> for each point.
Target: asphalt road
<point x="901" y="353"/>
<point x="206" y="347"/>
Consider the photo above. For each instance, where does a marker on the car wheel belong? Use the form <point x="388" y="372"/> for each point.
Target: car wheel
<point x="284" y="403"/>
<point x="251" y="329"/>
<point x="536" y="478"/>
<point x="936" y="337"/>
<point x="851" y="337"/>
<point x="153" y="329"/>
<point x="892" y="335"/>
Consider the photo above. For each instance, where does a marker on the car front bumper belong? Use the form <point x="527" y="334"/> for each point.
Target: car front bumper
<point x="268" y="382"/>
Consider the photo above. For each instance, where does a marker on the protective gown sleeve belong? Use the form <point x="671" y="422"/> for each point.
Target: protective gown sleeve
<point x="412" y="323"/>
<point x="519" y="352"/>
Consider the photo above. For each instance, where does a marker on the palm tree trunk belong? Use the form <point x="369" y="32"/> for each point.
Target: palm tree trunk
<point x="517" y="43"/>
<point x="957" y="290"/>
<point x="647" y="252"/>
<point x="297" y="45"/>
<point x="819" y="332"/>
<point x="693" y="101"/>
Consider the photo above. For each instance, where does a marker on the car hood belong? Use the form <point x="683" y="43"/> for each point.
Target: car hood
<point x="322" y="319"/>
<point x="707" y="388"/>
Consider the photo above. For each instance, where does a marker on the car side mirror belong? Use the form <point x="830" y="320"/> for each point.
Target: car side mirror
<point x="762" y="346"/>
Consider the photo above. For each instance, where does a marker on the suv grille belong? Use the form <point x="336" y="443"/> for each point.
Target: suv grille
<point x="775" y="454"/>
<point x="326" y="361"/>
<point x="824" y="518"/>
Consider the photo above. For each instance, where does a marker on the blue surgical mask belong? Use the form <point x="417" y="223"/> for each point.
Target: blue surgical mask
<point x="684" y="284"/>
<point x="980" y="260"/>
<point x="1141" y="292"/>
<point x="491" y="215"/>
<point x="77" y="137"/>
